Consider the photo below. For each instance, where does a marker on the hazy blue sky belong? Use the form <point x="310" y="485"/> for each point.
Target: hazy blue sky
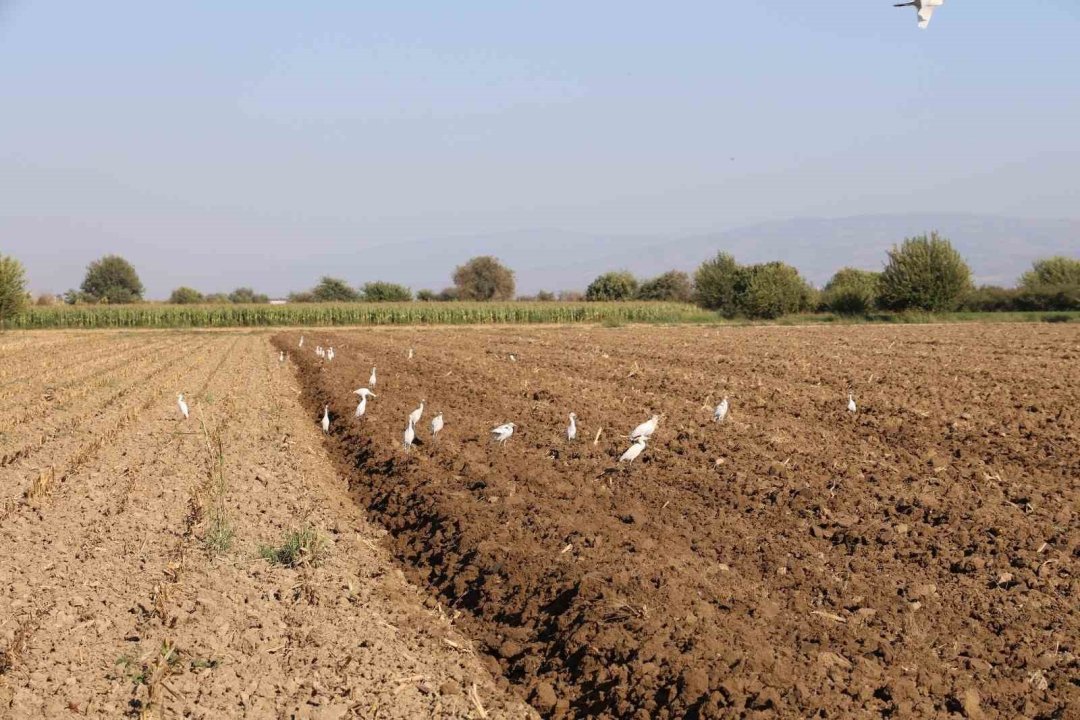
<point x="261" y="143"/>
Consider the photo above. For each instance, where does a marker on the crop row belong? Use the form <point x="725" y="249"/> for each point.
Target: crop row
<point x="458" y="313"/>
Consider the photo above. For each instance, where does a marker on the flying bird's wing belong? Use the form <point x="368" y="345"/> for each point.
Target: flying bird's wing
<point x="924" y="16"/>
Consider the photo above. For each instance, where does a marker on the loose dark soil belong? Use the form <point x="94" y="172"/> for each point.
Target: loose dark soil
<point x="915" y="559"/>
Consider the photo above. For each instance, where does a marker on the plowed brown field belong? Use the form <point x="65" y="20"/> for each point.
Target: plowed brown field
<point x="915" y="559"/>
<point x="114" y="601"/>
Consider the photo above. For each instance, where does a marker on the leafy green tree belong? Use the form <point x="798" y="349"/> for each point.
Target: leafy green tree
<point x="334" y="290"/>
<point x="185" y="296"/>
<point x="427" y="295"/>
<point x="305" y="296"/>
<point x="852" y="291"/>
<point x="771" y="290"/>
<point x="379" y="291"/>
<point x="714" y="284"/>
<point x="620" y="285"/>
<point x="217" y="299"/>
<point x="12" y="289"/>
<point x="545" y="296"/>
<point x="247" y="296"/>
<point x="924" y="273"/>
<point x="112" y="279"/>
<point x="1059" y="271"/>
<point x="673" y="286"/>
<point x="484" y="278"/>
<point x="449" y="294"/>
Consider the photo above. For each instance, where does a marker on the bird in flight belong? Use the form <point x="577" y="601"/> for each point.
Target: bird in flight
<point x="925" y="9"/>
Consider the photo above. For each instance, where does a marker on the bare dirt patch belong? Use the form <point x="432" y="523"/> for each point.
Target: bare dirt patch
<point x="132" y="582"/>
<point x="916" y="558"/>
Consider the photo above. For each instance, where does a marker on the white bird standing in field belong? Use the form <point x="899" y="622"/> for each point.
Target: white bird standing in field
<point x="182" y="405"/>
<point x="436" y="425"/>
<point x="410" y="353"/>
<point x="415" y="415"/>
<point x="634" y="450"/>
<point x="330" y="355"/>
<point x="645" y="429"/>
<point x="502" y="433"/>
<point x="326" y="418"/>
<point x="721" y="411"/>
<point x="851" y="403"/>
<point x="410" y="435"/>
<point x="301" y="341"/>
<point x="281" y="356"/>
<point x="371" y="380"/>
<point x="571" y="430"/>
<point x="925" y="9"/>
<point x="364" y="394"/>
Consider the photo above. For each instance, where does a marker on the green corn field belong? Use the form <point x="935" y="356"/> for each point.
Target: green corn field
<point x="311" y="314"/>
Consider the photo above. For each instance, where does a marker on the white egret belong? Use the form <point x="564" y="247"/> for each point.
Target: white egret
<point x="571" y="430"/>
<point x="301" y="341"/>
<point x="851" y="403"/>
<point x="281" y="356"/>
<point x="925" y="9"/>
<point x="645" y="429"/>
<point x="634" y="450"/>
<point x="364" y="394"/>
<point x="371" y="380"/>
<point x="326" y="418"/>
<point x="410" y="353"/>
<point x="502" y="433"/>
<point x="330" y="355"/>
<point x="436" y="425"/>
<point x="410" y="435"/>
<point x="182" y="405"/>
<point x="512" y="358"/>
<point x="415" y="415"/>
<point x="721" y="411"/>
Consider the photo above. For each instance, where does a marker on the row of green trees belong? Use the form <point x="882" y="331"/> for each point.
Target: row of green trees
<point x="923" y="273"/>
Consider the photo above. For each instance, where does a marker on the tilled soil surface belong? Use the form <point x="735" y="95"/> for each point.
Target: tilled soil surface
<point x="917" y="558"/>
<point x="131" y="578"/>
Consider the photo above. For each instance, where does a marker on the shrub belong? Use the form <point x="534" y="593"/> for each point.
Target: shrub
<point x="449" y="294"/>
<point x="12" y="289"/>
<point x="334" y="290"/>
<point x="1057" y="271"/>
<point x="714" y="284"/>
<point x="851" y="292"/>
<point x="484" y="278"/>
<point x="302" y="297"/>
<point x="989" y="298"/>
<point x="673" y="286"/>
<point x="571" y="296"/>
<point x="247" y="296"/>
<point x="186" y="296"/>
<point x="427" y="296"/>
<point x="216" y="299"/>
<point x="771" y="290"/>
<point x="112" y="279"/>
<point x="924" y="273"/>
<point x="619" y="285"/>
<point x="1049" y="297"/>
<point x="545" y="296"/>
<point x="46" y="300"/>
<point x="385" y="292"/>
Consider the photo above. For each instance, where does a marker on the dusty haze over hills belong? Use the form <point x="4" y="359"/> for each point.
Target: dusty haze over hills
<point x="998" y="249"/>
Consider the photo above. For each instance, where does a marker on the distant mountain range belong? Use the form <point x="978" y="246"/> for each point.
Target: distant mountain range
<point x="273" y="260"/>
<point x="998" y="249"/>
